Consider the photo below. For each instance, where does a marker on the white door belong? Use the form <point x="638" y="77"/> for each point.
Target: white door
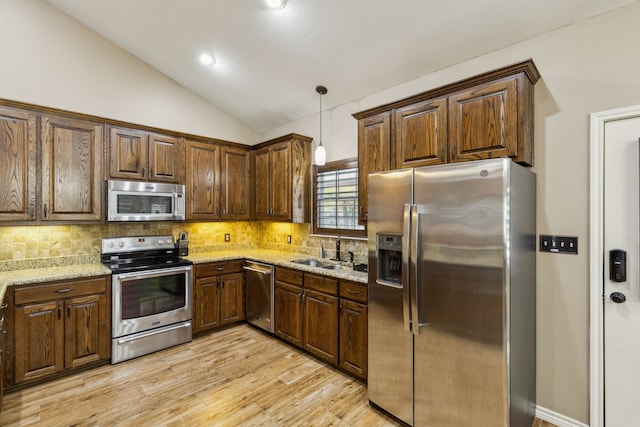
<point x="621" y="298"/>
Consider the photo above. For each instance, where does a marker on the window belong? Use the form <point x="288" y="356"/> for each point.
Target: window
<point x="336" y="199"/>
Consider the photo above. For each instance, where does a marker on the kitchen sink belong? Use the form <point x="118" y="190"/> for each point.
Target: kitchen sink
<point x="318" y="264"/>
<point x="312" y="263"/>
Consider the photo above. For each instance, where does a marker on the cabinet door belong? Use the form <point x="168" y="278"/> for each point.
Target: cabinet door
<point x="86" y="330"/>
<point x="353" y="337"/>
<point x="421" y="134"/>
<point x="263" y="183"/>
<point x="71" y="170"/>
<point x="128" y="153"/>
<point x="236" y="183"/>
<point x="281" y="182"/>
<point x="203" y="180"/>
<point x="288" y="308"/>
<point x="321" y="325"/>
<point x="18" y="160"/>
<point x="166" y="161"/>
<point x="374" y="153"/>
<point x="207" y="304"/>
<point x="231" y="298"/>
<point x="39" y="340"/>
<point x="483" y="122"/>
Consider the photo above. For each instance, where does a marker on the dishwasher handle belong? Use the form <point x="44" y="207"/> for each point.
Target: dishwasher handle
<point x="258" y="270"/>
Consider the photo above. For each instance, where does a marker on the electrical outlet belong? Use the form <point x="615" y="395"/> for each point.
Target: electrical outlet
<point x="289" y="238"/>
<point x="227" y="237"/>
<point x="559" y="244"/>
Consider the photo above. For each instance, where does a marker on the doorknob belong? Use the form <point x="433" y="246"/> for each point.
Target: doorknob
<point x="617" y="297"/>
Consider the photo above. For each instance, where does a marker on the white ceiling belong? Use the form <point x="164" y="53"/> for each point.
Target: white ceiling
<point x="270" y="61"/>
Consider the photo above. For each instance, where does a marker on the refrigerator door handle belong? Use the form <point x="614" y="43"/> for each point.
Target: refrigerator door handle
<point x="406" y="272"/>
<point x="413" y="272"/>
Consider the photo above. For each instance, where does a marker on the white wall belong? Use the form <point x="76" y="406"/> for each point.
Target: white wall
<point x="586" y="67"/>
<point x="49" y="59"/>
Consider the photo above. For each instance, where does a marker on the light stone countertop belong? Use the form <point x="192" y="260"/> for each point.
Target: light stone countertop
<point x="78" y="271"/>
<point x="48" y="274"/>
<point x="282" y="259"/>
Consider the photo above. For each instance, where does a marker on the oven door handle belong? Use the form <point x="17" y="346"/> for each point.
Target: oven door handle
<point x="154" y="273"/>
<point x="153" y="332"/>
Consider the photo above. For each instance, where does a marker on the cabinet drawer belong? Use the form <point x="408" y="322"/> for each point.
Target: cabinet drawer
<point x="289" y="276"/>
<point x="60" y="290"/>
<point x="321" y="284"/>
<point x="353" y="291"/>
<point x="217" y="268"/>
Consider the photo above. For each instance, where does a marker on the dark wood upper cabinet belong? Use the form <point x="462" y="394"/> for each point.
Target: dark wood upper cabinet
<point x="203" y="180"/>
<point x="485" y="120"/>
<point x="282" y="179"/>
<point x="421" y="134"/>
<point x="486" y="116"/>
<point x="235" y="194"/>
<point x="139" y="155"/>
<point x="166" y="161"/>
<point x="71" y="169"/>
<point x="218" y="181"/>
<point x="18" y="139"/>
<point x="128" y="151"/>
<point x="374" y="154"/>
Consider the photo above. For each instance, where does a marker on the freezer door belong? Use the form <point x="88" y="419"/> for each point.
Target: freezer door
<point x="390" y="378"/>
<point x="460" y="357"/>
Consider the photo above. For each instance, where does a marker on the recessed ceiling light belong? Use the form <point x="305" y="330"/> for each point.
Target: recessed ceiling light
<point x="207" y="59"/>
<point x="276" y="4"/>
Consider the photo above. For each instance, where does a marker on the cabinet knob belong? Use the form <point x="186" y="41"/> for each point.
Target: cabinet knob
<point x="453" y="151"/>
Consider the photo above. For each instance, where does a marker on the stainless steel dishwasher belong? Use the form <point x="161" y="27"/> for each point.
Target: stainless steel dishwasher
<point x="259" y="285"/>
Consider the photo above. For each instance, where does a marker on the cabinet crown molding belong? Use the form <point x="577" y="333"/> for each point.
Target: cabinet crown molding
<point x="527" y="67"/>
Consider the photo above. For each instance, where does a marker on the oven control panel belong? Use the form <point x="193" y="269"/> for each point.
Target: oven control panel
<point x="139" y="243"/>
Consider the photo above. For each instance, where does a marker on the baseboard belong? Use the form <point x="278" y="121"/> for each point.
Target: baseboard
<point x="557" y="419"/>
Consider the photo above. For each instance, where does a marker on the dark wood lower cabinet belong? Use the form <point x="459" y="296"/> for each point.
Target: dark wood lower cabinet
<point x="324" y="316"/>
<point x="289" y="313"/>
<point x="353" y="337"/>
<point x="321" y="325"/>
<point x="53" y="334"/>
<point x="218" y="295"/>
<point x="3" y="352"/>
<point x="353" y="327"/>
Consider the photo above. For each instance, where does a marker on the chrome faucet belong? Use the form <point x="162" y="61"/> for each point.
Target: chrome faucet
<point x="321" y="250"/>
<point x="338" y="249"/>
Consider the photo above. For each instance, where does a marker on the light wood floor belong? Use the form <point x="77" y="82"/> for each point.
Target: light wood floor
<point x="234" y="377"/>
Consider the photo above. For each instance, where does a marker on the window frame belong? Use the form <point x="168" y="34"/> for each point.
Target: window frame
<point x="329" y="167"/>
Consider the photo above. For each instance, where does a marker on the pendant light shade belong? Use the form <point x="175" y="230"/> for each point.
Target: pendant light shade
<point x="320" y="154"/>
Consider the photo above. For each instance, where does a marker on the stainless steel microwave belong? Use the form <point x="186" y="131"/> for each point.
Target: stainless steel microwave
<point x="144" y="201"/>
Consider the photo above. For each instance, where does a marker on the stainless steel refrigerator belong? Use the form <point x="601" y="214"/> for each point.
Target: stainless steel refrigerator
<point x="452" y="294"/>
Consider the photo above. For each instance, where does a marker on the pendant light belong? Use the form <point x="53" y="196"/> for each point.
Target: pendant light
<point x="321" y="154"/>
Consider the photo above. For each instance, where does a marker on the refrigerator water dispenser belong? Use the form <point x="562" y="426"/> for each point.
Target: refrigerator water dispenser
<point x="390" y="259"/>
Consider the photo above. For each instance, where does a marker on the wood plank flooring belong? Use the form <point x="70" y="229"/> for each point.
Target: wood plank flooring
<point x="237" y="376"/>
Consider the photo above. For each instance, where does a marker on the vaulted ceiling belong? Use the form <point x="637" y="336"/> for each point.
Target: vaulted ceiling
<point x="268" y="62"/>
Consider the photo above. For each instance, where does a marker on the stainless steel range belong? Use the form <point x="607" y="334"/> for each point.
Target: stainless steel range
<point x="151" y="295"/>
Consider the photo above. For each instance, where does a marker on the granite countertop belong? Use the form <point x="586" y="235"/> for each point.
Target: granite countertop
<point x="77" y="271"/>
<point x="48" y="274"/>
<point x="282" y="259"/>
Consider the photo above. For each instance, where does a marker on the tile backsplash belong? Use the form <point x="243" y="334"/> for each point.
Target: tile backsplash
<point x="70" y="244"/>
